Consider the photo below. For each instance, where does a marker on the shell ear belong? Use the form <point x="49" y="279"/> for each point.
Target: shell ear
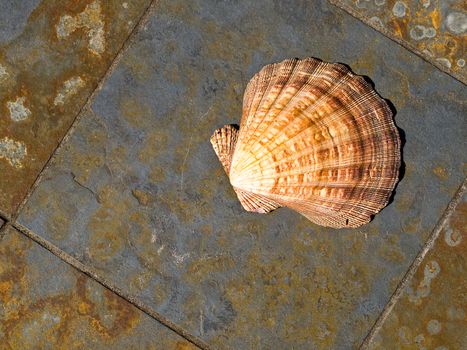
<point x="223" y="141"/>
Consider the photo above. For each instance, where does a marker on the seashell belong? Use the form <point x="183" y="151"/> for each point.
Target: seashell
<point x="313" y="137"/>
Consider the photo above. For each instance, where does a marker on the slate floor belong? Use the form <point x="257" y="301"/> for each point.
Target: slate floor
<point x="119" y="227"/>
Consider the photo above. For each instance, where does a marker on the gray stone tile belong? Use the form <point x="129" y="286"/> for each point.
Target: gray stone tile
<point x="138" y="194"/>
<point x="13" y="18"/>
<point x="47" y="304"/>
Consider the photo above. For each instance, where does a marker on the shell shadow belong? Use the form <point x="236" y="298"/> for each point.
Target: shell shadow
<point x="403" y="140"/>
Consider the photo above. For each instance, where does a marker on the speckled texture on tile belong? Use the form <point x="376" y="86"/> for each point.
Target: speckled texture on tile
<point x="52" y="55"/>
<point x="13" y="17"/>
<point x="138" y="194"/>
<point x="432" y="313"/>
<point x="47" y="304"/>
<point x="434" y="29"/>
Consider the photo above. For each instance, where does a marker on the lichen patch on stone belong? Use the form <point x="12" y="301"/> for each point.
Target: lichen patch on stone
<point x="456" y="22"/>
<point x="399" y="9"/>
<point x="91" y="20"/>
<point x="3" y="72"/>
<point x="70" y="87"/>
<point x="431" y="270"/>
<point x="13" y="151"/>
<point x="18" y="111"/>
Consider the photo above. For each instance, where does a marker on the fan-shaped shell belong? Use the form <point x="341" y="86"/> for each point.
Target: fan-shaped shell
<point x="313" y="137"/>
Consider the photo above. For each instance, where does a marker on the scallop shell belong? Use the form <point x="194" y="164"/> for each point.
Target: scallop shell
<point x="313" y="137"/>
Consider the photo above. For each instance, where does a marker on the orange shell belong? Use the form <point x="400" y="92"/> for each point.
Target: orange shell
<point x="313" y="137"/>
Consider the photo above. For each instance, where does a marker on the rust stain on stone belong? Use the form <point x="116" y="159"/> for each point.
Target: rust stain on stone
<point x="60" y="311"/>
<point x="142" y="197"/>
<point x="109" y="222"/>
<point x="392" y="251"/>
<point x="441" y="172"/>
<point x="134" y="111"/>
<point x="84" y="165"/>
<point x="76" y="313"/>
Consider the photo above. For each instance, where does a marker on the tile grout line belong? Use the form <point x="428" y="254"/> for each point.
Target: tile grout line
<point x="70" y="260"/>
<point x="414" y="266"/>
<point x="86" y="106"/>
<point x="401" y="42"/>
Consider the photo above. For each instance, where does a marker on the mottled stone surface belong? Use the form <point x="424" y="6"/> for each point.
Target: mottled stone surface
<point x="435" y="29"/>
<point x="137" y="193"/>
<point x="13" y="17"/>
<point x="432" y="313"/>
<point x="47" y="304"/>
<point x="52" y="55"/>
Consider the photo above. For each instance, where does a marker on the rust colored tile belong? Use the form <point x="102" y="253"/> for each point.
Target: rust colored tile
<point x="52" y="55"/>
<point x="47" y="304"/>
<point x="434" y="29"/>
<point x="432" y="312"/>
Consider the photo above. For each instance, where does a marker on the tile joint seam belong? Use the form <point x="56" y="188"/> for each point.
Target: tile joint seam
<point x="397" y="294"/>
<point x="409" y="47"/>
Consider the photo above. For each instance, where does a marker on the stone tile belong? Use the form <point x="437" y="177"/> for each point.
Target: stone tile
<point x="52" y="55"/>
<point x="434" y="29"/>
<point x="431" y="314"/>
<point x="47" y="304"/>
<point x="138" y="194"/>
